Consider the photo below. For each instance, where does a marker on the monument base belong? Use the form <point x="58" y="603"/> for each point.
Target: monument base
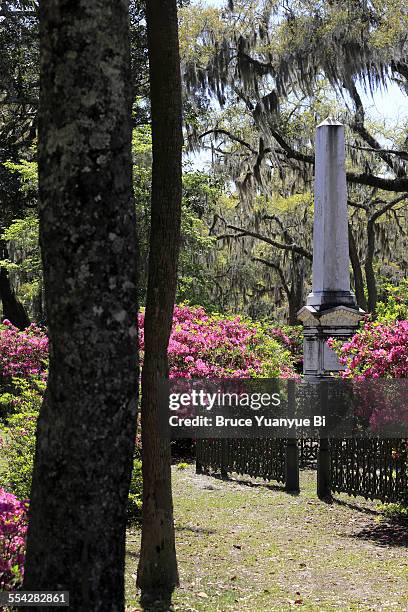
<point x="323" y="300"/>
<point x="339" y="322"/>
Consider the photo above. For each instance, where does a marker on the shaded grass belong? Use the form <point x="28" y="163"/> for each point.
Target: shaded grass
<point x="253" y="548"/>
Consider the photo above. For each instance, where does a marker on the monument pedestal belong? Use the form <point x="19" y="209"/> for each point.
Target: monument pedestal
<point x="338" y="322"/>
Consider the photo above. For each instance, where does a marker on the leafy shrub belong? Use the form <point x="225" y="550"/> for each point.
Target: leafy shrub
<point x="21" y="395"/>
<point x="394" y="305"/>
<point x="13" y="529"/>
<point x="18" y="452"/>
<point x="18" y="439"/>
<point x="291" y="337"/>
<point x="395" y="512"/>
<point x="134" y="508"/>
<point x="6" y="402"/>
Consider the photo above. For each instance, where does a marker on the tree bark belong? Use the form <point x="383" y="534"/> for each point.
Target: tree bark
<point x="157" y="572"/>
<point x="293" y="310"/>
<point x="13" y="310"/>
<point x="296" y="296"/>
<point x="357" y="271"/>
<point x="86" y="428"/>
<point x="369" y="269"/>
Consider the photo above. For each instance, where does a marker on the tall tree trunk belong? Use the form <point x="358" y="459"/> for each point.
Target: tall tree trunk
<point x="13" y="310"/>
<point x="157" y="572"/>
<point x="357" y="271"/>
<point x="293" y="310"/>
<point x="369" y="269"/>
<point x="86" y="429"/>
<point x="296" y="294"/>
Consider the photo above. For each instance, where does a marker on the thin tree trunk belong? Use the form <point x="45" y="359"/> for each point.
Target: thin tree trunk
<point x="157" y="572"/>
<point x="86" y="429"/>
<point x="296" y="297"/>
<point x="293" y="310"/>
<point x="13" y="310"/>
<point x="357" y="271"/>
<point x="369" y="270"/>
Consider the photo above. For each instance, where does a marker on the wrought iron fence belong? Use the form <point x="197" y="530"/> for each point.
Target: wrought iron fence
<point x="308" y="448"/>
<point x="262" y="458"/>
<point x="373" y="468"/>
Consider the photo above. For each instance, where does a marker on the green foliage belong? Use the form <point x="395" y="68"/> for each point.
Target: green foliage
<point x="200" y="191"/>
<point x="22" y="236"/>
<point x="195" y="283"/>
<point x="19" y="409"/>
<point x="25" y="263"/>
<point x="6" y="404"/>
<point x="394" y="306"/>
<point x="18" y="453"/>
<point x="195" y="23"/>
<point x="22" y="396"/>
<point x="142" y="144"/>
<point x="28" y="173"/>
<point x="395" y="512"/>
<point x="21" y="405"/>
<point x="24" y="232"/>
<point x="134" y="508"/>
<point x="277" y="358"/>
<point x="19" y="439"/>
<point x="142" y="178"/>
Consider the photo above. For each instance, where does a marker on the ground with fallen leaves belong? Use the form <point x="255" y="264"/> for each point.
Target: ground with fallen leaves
<point x="245" y="545"/>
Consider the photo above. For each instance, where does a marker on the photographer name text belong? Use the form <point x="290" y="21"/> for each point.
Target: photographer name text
<point x="256" y="421"/>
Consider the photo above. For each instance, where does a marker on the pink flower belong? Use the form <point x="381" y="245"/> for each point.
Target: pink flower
<point x="13" y="529"/>
<point x="377" y="351"/>
<point x="24" y="353"/>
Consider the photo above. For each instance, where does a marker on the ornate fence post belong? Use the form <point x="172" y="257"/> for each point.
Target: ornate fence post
<point x="292" y="449"/>
<point x="331" y="309"/>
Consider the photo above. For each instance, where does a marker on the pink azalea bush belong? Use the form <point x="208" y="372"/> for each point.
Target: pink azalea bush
<point x="22" y="354"/>
<point x="377" y="350"/>
<point x="201" y="345"/>
<point x="211" y="346"/>
<point x="13" y="528"/>
<point x="375" y="358"/>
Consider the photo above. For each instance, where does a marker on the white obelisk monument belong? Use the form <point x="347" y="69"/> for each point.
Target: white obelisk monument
<point x="331" y="309"/>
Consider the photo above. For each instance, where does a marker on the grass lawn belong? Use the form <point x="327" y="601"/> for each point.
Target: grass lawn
<point x="247" y="546"/>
